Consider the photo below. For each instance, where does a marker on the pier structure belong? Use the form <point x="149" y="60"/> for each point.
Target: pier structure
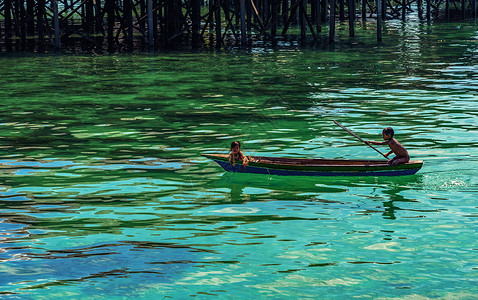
<point x="129" y="25"/>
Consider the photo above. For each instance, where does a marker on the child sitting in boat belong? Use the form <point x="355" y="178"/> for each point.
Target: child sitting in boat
<point x="400" y="151"/>
<point x="236" y="154"/>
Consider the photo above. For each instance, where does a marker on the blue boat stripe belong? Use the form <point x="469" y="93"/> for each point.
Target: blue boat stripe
<point x="256" y="170"/>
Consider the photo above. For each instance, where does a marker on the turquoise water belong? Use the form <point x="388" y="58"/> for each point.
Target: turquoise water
<point x="104" y="193"/>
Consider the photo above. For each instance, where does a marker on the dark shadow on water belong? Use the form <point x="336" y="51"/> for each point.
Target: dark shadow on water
<point x="298" y="186"/>
<point x="397" y="201"/>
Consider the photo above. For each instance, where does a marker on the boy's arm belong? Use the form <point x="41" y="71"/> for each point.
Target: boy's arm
<point x="245" y="160"/>
<point x="386" y="155"/>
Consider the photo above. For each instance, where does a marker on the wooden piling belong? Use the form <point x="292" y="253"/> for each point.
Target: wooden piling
<point x="243" y="23"/>
<point x="473" y="9"/>
<point x="217" y="16"/>
<point x="420" y="9"/>
<point x="127" y="25"/>
<point x="30" y="24"/>
<point x="41" y="25"/>
<point x="325" y="6"/>
<point x="351" y="18"/>
<point x="428" y="10"/>
<point x="56" y="21"/>
<point x="332" y="22"/>
<point x="7" y="6"/>
<point x="364" y="10"/>
<point x="302" y="16"/>
<point x="110" y="11"/>
<point x="342" y="10"/>
<point x="151" y="25"/>
<point x="379" y="21"/>
<point x="447" y="10"/>
<point x="318" y="15"/>
<point x="89" y="24"/>
<point x="404" y="9"/>
<point x="384" y="9"/>
<point x="195" y="20"/>
<point x="274" y="17"/>
<point x="21" y="19"/>
<point x="89" y="18"/>
<point x="285" y="8"/>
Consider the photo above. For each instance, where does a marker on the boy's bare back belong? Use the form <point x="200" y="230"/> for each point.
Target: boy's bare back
<point x="397" y="148"/>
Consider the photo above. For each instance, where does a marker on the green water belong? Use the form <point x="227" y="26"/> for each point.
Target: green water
<point x="104" y="193"/>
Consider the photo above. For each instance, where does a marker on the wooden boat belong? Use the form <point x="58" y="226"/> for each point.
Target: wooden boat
<point x="315" y="167"/>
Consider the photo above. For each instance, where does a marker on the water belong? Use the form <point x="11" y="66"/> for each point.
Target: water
<point x="104" y="193"/>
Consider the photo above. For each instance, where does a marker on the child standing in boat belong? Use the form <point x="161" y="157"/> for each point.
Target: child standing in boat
<point x="236" y="154"/>
<point x="400" y="151"/>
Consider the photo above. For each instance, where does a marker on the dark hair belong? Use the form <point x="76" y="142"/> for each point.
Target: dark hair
<point x="389" y="131"/>
<point x="234" y="144"/>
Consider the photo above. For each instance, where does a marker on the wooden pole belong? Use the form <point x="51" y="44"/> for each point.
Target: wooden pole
<point x="404" y="9"/>
<point x="341" y="10"/>
<point x="217" y="14"/>
<point x="196" y="21"/>
<point x="243" y="23"/>
<point x="420" y="9"/>
<point x="474" y="10"/>
<point x="285" y="8"/>
<point x="313" y="11"/>
<point x="249" y="17"/>
<point x="31" y="23"/>
<point x="266" y="9"/>
<point x="364" y="10"/>
<point x="128" y="23"/>
<point x="0" y="36"/>
<point x="40" y="25"/>
<point x="384" y="10"/>
<point x="351" y="18"/>
<point x="211" y="21"/>
<point x="303" y="29"/>
<point x="379" y="21"/>
<point x="110" y="11"/>
<point x="428" y="11"/>
<point x="8" y="24"/>
<point x="21" y="18"/>
<point x="319" y="16"/>
<point x="99" y="26"/>
<point x="90" y="22"/>
<point x="358" y="138"/>
<point x="274" y="17"/>
<point x="447" y="10"/>
<point x="151" y="25"/>
<point x="332" y="22"/>
<point x="56" y="21"/>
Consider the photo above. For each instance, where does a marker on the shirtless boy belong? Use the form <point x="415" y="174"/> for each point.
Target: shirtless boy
<point x="400" y="151"/>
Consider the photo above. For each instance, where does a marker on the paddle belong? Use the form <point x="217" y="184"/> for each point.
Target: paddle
<point x="348" y="130"/>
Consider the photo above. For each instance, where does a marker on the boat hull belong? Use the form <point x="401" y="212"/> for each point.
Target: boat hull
<point x="310" y="167"/>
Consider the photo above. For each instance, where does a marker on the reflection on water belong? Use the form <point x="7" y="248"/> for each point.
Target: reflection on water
<point x="104" y="191"/>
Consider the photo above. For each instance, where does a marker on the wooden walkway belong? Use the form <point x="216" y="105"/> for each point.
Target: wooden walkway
<point x="137" y="25"/>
